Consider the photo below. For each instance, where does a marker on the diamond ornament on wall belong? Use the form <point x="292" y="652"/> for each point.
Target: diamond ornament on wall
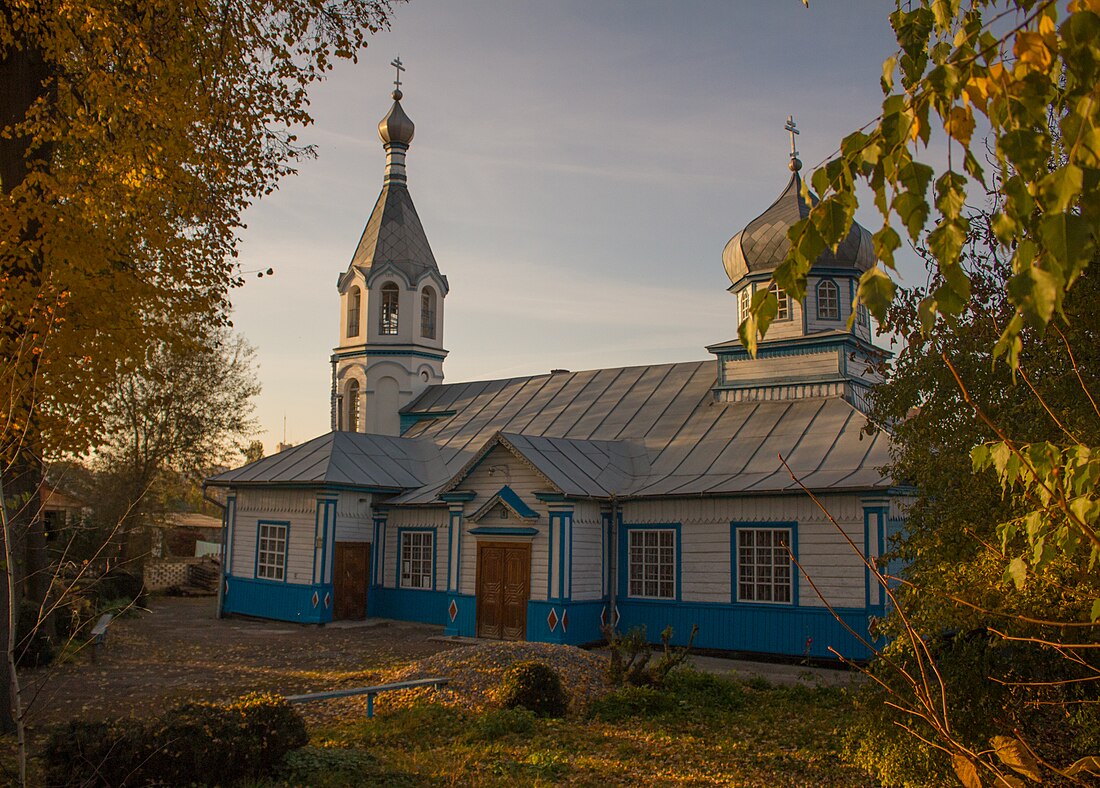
<point x="564" y="620"/>
<point x="452" y="610"/>
<point x="552" y="619"/>
<point x="316" y="599"/>
<point x="328" y="600"/>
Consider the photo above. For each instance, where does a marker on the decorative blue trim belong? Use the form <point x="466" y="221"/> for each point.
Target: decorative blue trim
<point x="796" y="581"/>
<point x="492" y="530"/>
<point x="624" y="557"/>
<point x="286" y="552"/>
<point x="507" y="496"/>
<point x="459" y="496"/>
<point x="881" y="513"/>
<point x="549" y="561"/>
<point x="377" y="550"/>
<point x="583" y="621"/>
<point x="361" y="350"/>
<point x="278" y="601"/>
<point x="605" y="549"/>
<point x="401" y="531"/>
<point x="231" y="532"/>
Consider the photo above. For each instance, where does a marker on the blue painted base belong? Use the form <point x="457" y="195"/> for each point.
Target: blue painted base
<point x="574" y="622"/>
<point x="764" y="629"/>
<point x="427" y="607"/>
<point x="280" y="601"/>
<point x="465" y="621"/>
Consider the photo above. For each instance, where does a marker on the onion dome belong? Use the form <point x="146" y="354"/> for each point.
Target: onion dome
<point x="396" y="128"/>
<point x="763" y="244"/>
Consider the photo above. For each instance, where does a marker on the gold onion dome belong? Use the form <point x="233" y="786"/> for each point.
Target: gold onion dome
<point x="396" y="128"/>
<point x="763" y="244"/>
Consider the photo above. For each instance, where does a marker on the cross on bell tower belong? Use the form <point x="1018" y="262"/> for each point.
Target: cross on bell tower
<point x="396" y="63"/>
<point x="791" y="128"/>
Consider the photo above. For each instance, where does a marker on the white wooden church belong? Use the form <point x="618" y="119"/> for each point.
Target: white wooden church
<point x="542" y="507"/>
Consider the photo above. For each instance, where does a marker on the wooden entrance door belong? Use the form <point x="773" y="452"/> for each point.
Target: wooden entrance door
<point x="503" y="587"/>
<point x="350" y="573"/>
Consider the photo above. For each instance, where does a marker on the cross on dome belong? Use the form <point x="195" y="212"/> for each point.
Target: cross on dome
<point x="790" y="126"/>
<point x="396" y="63"/>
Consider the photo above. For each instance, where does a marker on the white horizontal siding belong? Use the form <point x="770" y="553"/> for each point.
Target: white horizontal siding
<point x="354" y="518"/>
<point x="588" y="552"/>
<point x="775" y="368"/>
<point x="296" y="507"/>
<point x="434" y="517"/>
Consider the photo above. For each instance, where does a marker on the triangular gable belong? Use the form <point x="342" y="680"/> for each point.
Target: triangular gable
<point x="483" y="452"/>
<point x="507" y="498"/>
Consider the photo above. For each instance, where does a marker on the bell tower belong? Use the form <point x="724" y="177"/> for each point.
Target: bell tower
<point x="391" y="301"/>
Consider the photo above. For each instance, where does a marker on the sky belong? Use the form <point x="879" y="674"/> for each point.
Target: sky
<point x="578" y="168"/>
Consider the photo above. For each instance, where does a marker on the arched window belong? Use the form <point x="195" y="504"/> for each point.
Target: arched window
<point x="828" y="300"/>
<point x="352" y="402"/>
<point x="744" y="301"/>
<point x="427" y="313"/>
<point x="387" y="318"/>
<point x="784" y="311"/>
<point x="354" y="304"/>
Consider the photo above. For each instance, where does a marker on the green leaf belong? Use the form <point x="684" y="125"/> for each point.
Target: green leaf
<point x="1014" y="755"/>
<point x="888" y="67"/>
<point x="912" y="209"/>
<point x="885" y="242"/>
<point x="951" y="194"/>
<point x="876" y="291"/>
<point x="1017" y="572"/>
<point x="979" y="457"/>
<point x="926" y="311"/>
<point x="946" y="243"/>
<point x="1035" y="292"/>
<point x="1066" y="237"/>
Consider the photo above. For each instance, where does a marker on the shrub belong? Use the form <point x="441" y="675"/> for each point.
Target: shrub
<point x="534" y="686"/>
<point x="699" y="689"/>
<point x="502" y="722"/>
<point x="630" y="654"/>
<point x="193" y="743"/>
<point x="631" y="701"/>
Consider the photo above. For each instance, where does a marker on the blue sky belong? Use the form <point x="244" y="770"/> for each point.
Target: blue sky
<point x="578" y="167"/>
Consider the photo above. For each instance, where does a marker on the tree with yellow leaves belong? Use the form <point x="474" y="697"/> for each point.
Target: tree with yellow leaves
<point x="133" y="134"/>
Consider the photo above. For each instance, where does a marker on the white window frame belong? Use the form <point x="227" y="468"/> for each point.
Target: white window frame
<point x="761" y="566"/>
<point x="833" y="312"/>
<point x="744" y="301"/>
<point x="389" y="320"/>
<point x="272" y="540"/>
<point x="647" y="554"/>
<point x="783" y="308"/>
<point x="355" y="308"/>
<point x="416" y="568"/>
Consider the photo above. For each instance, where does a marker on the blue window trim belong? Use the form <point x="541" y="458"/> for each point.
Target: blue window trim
<point x="817" y="299"/>
<point x="868" y="579"/>
<point x="435" y="557"/>
<point x="624" y="558"/>
<point x="739" y="525"/>
<point x="286" y="553"/>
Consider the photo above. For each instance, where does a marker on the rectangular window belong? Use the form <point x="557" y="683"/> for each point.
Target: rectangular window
<point x="652" y="563"/>
<point x="417" y="559"/>
<point x="271" y="552"/>
<point x="763" y="565"/>
<point x="783" y="309"/>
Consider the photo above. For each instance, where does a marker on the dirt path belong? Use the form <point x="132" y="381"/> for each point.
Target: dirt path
<point x="180" y="651"/>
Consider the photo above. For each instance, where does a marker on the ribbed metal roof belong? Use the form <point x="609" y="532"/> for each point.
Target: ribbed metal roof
<point x="763" y="244"/>
<point x="395" y="235"/>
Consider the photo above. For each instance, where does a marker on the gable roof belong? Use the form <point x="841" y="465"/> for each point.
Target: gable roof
<point x="508" y="497"/>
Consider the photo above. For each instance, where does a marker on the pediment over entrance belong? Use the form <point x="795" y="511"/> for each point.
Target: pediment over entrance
<point x="505" y="505"/>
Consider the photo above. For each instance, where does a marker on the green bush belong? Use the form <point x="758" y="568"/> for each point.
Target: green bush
<point x="197" y="743"/>
<point x="533" y="686"/>
<point x="699" y="689"/>
<point x="502" y="722"/>
<point x="631" y="701"/>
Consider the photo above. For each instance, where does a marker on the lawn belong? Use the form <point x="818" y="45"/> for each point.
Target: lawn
<point x="702" y="730"/>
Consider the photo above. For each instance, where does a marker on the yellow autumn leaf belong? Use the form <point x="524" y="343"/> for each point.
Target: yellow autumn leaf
<point x="960" y="124"/>
<point x="1032" y="51"/>
<point x="977" y="92"/>
<point x="1085" y="5"/>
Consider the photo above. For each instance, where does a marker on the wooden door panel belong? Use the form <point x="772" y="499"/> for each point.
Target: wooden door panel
<point x="517" y="573"/>
<point x="350" y="575"/>
<point x="490" y="589"/>
<point x="503" y="588"/>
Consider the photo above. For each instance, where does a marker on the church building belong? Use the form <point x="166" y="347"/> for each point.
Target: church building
<point x="544" y="507"/>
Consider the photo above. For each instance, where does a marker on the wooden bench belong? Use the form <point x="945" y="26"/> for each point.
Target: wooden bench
<point x="99" y="633"/>
<point x="370" y="692"/>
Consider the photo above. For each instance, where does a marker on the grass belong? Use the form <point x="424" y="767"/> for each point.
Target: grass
<point x="700" y="730"/>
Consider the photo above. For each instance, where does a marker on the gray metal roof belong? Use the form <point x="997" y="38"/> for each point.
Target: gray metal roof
<point x="395" y="235"/>
<point x="633" y="431"/>
<point x="763" y="244"/>
<point x="344" y="459"/>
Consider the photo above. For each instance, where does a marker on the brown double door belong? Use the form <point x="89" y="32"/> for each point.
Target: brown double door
<point x="350" y="573"/>
<point x="503" y="588"/>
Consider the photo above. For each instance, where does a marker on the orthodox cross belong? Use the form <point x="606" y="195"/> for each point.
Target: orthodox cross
<point x="396" y="63"/>
<point x="793" y="131"/>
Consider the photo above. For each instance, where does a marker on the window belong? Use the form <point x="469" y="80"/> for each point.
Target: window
<point x="387" y="319"/>
<point x="744" y="301"/>
<point x="417" y="559"/>
<point x="354" y="304"/>
<point x="653" y="564"/>
<point x="352" y="400"/>
<point x="862" y="318"/>
<point x="763" y="565"/>
<point x="271" y="552"/>
<point x="427" y="313"/>
<point x="784" y="311"/>
<point x="828" y="301"/>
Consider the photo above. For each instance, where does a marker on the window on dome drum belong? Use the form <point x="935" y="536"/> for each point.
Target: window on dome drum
<point x="417" y="559"/>
<point x="427" y="313"/>
<point x="271" y="552"/>
<point x="828" y="301"/>
<point x="355" y="297"/>
<point x="387" y="318"/>
<point x="652" y="564"/>
<point x="744" y="301"/>
<point x="784" y="310"/>
<point x="862" y="316"/>
<point x="352" y="401"/>
<point x="763" y="565"/>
